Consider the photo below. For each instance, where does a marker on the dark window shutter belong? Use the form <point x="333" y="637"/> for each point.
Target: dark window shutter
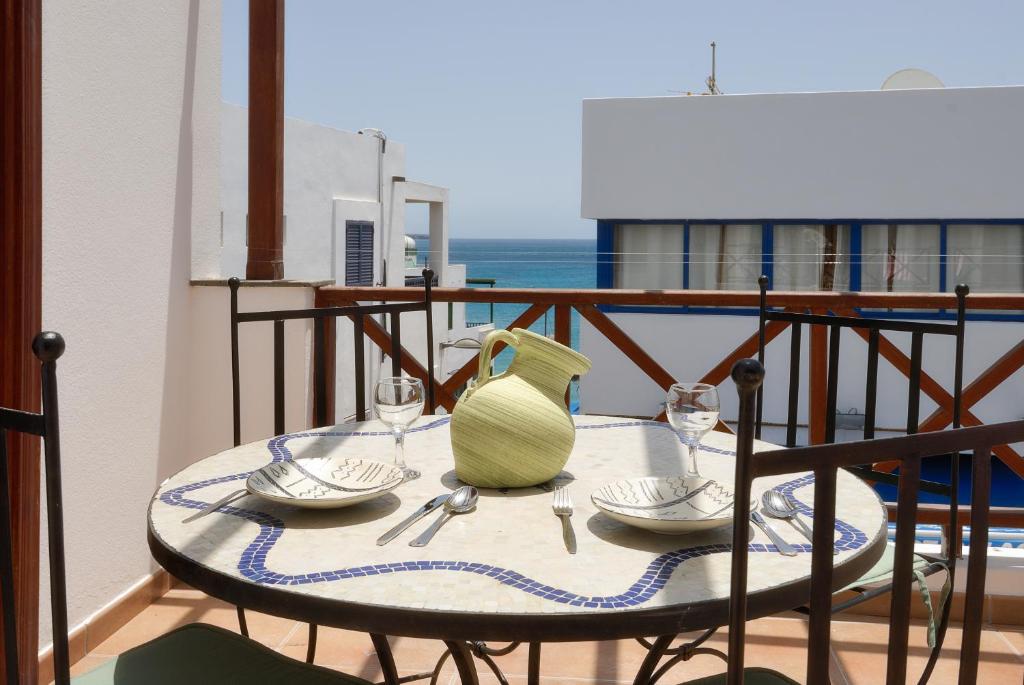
<point x="358" y="253"/>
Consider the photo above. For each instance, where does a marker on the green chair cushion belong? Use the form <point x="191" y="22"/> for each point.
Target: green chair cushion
<point x="751" y="676"/>
<point x="197" y="654"/>
<point x="881" y="572"/>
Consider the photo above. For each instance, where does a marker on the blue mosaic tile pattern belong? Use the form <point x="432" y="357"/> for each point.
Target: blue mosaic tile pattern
<point x="252" y="564"/>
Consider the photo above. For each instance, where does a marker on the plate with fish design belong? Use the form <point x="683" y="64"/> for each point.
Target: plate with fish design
<point x="324" y="482"/>
<point x="670" y="505"/>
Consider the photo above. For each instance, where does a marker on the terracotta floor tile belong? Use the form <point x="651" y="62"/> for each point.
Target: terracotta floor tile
<point x="610" y="660"/>
<point x="488" y="679"/>
<point x="778" y="642"/>
<point x="772" y="642"/>
<point x="1015" y="637"/>
<point x="333" y="646"/>
<point x="87" y="663"/>
<point x="181" y="606"/>
<point x="861" y="648"/>
<point x="354" y="653"/>
<point x="564" y="680"/>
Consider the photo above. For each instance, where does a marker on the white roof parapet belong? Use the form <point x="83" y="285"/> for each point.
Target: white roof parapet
<point x="899" y="154"/>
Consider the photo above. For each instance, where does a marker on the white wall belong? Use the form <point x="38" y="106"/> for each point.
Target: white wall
<point x="943" y="153"/>
<point x="437" y="200"/>
<point x="209" y="368"/>
<point x="322" y="166"/>
<point x="690" y="345"/>
<point x="131" y="120"/>
<point x="132" y="173"/>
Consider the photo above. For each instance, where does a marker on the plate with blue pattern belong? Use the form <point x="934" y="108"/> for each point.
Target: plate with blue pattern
<point x="324" y="482"/>
<point x="670" y="505"/>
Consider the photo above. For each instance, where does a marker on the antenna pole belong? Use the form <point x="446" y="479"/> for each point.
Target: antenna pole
<point x="712" y="83"/>
<point x="712" y="61"/>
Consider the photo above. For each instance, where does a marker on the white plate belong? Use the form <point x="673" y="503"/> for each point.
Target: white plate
<point x="673" y="505"/>
<point x="324" y="482"/>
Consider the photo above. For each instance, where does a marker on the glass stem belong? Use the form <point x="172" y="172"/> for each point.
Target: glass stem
<point x="399" y="434"/>
<point x="691" y="466"/>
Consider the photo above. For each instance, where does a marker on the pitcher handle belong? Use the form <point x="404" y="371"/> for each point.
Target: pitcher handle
<point x="484" y="372"/>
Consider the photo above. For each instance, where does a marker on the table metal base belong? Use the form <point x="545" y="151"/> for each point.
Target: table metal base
<point x="463" y="654"/>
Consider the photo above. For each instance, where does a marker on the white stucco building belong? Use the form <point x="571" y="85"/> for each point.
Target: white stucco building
<point x="338" y="185"/>
<point x="345" y="199"/>
<point x="899" y="190"/>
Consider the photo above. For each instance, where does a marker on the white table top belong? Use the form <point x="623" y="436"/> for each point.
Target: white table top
<point x="508" y="556"/>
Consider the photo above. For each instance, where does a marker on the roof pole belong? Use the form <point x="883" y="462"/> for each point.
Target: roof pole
<point x="21" y="292"/>
<point x="266" y="141"/>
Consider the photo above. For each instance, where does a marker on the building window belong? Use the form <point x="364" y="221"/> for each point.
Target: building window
<point x="811" y="257"/>
<point x="985" y="257"/>
<point x="725" y="256"/>
<point x="870" y="256"/>
<point x="900" y="258"/>
<point x="358" y="253"/>
<point x="649" y="256"/>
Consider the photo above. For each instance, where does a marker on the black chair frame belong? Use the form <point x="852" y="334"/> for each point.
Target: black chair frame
<point x="824" y="461"/>
<point x="946" y="561"/>
<point x="320" y="317"/>
<point x="875" y="327"/>
<point x="47" y="347"/>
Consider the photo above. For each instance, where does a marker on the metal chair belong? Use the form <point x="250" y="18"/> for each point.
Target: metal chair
<point x="824" y="460"/>
<point x="320" y="317"/>
<point x="879" y="578"/>
<point x="194" y="653"/>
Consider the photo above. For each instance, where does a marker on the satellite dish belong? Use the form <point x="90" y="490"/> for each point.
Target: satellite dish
<point x="906" y="79"/>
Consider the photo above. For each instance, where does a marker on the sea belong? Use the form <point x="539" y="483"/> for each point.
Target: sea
<point x="525" y="264"/>
<point x="515" y="263"/>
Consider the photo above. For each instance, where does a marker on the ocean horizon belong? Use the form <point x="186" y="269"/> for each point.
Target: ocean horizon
<point x="523" y="263"/>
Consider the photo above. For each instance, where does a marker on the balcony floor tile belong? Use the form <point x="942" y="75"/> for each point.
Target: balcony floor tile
<point x="859" y="643"/>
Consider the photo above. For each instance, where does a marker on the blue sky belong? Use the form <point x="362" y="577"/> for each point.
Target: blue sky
<point x="486" y="95"/>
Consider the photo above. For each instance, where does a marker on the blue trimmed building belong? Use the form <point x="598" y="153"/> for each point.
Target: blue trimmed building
<point x="892" y="191"/>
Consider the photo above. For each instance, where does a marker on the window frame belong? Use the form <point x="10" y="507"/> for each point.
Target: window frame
<point x="606" y="230"/>
<point x="360" y="225"/>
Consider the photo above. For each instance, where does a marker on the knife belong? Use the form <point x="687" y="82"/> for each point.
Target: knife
<point x="784" y="547"/>
<point x="413" y="518"/>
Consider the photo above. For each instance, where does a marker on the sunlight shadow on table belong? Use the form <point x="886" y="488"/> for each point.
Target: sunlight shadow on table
<point x="621" y="535"/>
<point x="319" y="519"/>
<point x="450" y="480"/>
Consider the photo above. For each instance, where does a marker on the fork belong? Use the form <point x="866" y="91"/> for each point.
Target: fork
<point x="562" y="506"/>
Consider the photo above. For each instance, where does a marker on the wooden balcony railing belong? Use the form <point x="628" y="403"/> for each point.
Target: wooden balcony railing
<point x="588" y="302"/>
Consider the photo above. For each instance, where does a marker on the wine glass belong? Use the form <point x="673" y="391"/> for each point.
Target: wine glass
<point x="399" y="402"/>
<point x="692" y="409"/>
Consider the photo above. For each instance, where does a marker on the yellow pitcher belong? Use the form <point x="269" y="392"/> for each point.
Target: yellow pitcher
<point x="514" y="430"/>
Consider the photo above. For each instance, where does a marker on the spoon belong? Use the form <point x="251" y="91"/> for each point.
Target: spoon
<point x="462" y="501"/>
<point x="778" y="505"/>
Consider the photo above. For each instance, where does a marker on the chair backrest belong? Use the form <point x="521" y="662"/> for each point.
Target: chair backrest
<point x="322" y="318"/>
<point x="48" y="347"/>
<point x="872" y="329"/>
<point x="824" y="461"/>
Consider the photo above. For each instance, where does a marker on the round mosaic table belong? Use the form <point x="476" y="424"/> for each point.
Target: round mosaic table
<point x="501" y="572"/>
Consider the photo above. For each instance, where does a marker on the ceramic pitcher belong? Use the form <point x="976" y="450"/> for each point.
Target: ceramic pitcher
<point x="513" y="430"/>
